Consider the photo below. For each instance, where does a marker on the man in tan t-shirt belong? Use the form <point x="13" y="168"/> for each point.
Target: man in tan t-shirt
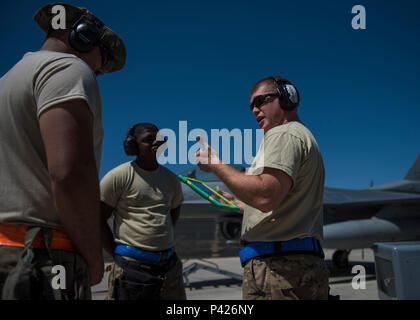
<point x="51" y="139"/>
<point x="281" y="199"/>
<point x="145" y="200"/>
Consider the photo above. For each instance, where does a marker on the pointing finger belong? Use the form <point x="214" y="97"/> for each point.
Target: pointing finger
<point x="202" y="141"/>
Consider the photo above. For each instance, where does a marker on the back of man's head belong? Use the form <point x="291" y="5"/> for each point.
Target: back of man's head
<point x="269" y="83"/>
<point x="74" y="18"/>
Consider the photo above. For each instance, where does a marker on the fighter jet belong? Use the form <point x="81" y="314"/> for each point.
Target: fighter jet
<point x="352" y="218"/>
<point x="355" y="219"/>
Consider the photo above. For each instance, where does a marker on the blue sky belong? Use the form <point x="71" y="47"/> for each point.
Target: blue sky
<point x="196" y="61"/>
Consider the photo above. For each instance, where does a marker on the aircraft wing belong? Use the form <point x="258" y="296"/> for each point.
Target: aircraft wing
<point x="333" y="197"/>
<point x="346" y="197"/>
<point x="339" y="204"/>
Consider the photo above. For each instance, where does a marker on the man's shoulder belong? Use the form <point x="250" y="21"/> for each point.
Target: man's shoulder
<point x="295" y="132"/>
<point x="121" y="170"/>
<point x="126" y="166"/>
<point x="293" y="128"/>
<point x="41" y="63"/>
<point x="58" y="61"/>
<point x="45" y="55"/>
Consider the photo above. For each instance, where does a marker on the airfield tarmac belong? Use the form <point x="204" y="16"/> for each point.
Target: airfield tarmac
<point x="208" y="285"/>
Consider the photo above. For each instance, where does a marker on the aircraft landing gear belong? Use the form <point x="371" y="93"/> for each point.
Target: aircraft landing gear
<point x="340" y="258"/>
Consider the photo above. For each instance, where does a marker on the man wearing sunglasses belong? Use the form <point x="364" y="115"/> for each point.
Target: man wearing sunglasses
<point x="281" y="199"/>
<point x="51" y="139"/>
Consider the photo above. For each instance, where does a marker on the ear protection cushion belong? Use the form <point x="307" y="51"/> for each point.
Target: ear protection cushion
<point x="83" y="37"/>
<point x="289" y="95"/>
<point x="130" y="143"/>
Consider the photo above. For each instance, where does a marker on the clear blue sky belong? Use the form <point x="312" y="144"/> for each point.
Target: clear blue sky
<point x="197" y="60"/>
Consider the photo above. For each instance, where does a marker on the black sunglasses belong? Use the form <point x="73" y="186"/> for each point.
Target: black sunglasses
<point x="261" y="100"/>
<point x="104" y="54"/>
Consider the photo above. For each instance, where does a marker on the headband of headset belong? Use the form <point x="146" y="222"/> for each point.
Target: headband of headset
<point x="288" y="94"/>
<point x="85" y="34"/>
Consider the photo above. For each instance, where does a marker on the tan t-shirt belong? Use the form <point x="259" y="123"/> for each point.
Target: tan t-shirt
<point x="142" y="200"/>
<point x="37" y="82"/>
<point x="291" y="148"/>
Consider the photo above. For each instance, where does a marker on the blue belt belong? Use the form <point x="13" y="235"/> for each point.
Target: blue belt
<point x="138" y="254"/>
<point x="256" y="249"/>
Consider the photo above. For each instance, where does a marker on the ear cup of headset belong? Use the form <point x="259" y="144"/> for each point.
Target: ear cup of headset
<point x="130" y="143"/>
<point x="289" y="97"/>
<point x="131" y="147"/>
<point x="288" y="94"/>
<point x="83" y="37"/>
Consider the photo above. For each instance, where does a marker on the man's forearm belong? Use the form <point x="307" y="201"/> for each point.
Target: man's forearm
<point x="247" y="188"/>
<point x="77" y="200"/>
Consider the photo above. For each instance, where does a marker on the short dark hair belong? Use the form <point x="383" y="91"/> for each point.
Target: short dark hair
<point x="142" y="127"/>
<point x="269" y="82"/>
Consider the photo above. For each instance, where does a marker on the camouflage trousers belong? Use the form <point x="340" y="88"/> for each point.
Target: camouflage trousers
<point x="38" y="286"/>
<point x="173" y="283"/>
<point x="285" y="277"/>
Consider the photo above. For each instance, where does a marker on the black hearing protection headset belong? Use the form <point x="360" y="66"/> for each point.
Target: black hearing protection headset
<point x="288" y="94"/>
<point x="130" y="143"/>
<point x="85" y="35"/>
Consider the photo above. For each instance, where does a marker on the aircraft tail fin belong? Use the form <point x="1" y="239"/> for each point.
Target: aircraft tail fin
<point x="414" y="172"/>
